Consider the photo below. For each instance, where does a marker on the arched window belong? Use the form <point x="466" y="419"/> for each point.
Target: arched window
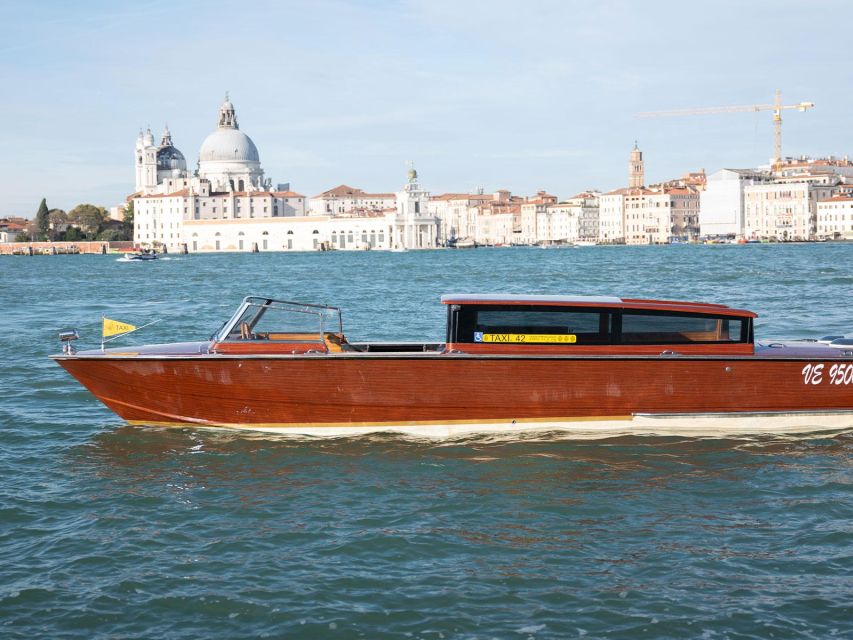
<point x="290" y="233"/>
<point x="315" y="232"/>
<point x="241" y="185"/>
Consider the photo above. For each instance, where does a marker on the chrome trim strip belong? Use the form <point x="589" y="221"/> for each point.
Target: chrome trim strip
<point x="421" y="355"/>
<point x="745" y="414"/>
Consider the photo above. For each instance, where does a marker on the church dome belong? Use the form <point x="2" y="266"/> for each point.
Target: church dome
<point x="228" y="158"/>
<point x="228" y="145"/>
<point x="170" y="158"/>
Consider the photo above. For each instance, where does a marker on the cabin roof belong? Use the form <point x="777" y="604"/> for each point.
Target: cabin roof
<point x="594" y="301"/>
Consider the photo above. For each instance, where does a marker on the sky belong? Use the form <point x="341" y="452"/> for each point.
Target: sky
<point x="492" y="94"/>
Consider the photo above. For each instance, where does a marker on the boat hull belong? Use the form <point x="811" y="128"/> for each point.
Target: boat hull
<point x="446" y="394"/>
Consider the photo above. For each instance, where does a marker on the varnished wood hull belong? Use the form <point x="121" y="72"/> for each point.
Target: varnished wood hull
<point x="442" y="394"/>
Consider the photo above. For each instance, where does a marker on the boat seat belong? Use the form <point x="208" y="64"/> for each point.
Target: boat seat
<point x="337" y="343"/>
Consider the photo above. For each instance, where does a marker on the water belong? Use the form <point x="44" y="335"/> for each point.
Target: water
<point x="109" y="531"/>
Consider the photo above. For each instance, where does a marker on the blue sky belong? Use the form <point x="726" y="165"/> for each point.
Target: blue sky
<point x="500" y="94"/>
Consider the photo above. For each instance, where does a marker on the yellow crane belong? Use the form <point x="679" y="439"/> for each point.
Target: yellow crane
<point x="776" y="108"/>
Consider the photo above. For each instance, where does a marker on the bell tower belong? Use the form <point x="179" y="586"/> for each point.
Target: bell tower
<point x="636" y="173"/>
<point x="146" y="161"/>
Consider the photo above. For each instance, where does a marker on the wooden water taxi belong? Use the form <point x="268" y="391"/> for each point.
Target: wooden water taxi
<point x="509" y="362"/>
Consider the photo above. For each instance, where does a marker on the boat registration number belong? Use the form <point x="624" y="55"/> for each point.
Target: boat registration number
<point x="840" y="373"/>
<point x="525" y="338"/>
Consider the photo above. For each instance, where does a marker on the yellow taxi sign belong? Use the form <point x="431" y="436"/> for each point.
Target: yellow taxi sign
<point x="525" y="338"/>
<point x="114" y="327"/>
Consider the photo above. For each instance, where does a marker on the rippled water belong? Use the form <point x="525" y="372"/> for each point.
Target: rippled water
<point x="108" y="531"/>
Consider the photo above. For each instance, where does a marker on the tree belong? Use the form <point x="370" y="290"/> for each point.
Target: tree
<point x="43" y="219"/>
<point x="113" y="235"/>
<point x="73" y="233"/>
<point x="58" y="221"/>
<point x="22" y="237"/>
<point x="88" y="217"/>
<point x="128" y="214"/>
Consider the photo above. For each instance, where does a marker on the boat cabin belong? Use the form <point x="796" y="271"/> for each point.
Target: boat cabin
<point x="594" y="325"/>
<point x="506" y="324"/>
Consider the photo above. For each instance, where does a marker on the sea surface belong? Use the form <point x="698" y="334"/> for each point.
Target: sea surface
<point x="111" y="531"/>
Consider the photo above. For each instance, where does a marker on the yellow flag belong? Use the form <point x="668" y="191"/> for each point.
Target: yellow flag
<point x="113" y="328"/>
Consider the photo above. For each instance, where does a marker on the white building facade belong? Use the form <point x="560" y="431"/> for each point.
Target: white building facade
<point x="783" y="210"/>
<point x="721" y="204"/>
<point x="228" y="205"/>
<point x="835" y="218"/>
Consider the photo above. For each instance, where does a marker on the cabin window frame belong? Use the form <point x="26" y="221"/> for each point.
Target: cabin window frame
<point x="460" y="324"/>
<point x="744" y="337"/>
<point x="462" y="321"/>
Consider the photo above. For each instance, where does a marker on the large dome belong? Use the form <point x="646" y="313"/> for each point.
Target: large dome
<point x="228" y="145"/>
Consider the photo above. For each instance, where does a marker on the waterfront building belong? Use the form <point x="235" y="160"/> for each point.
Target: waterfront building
<point x="784" y="210"/>
<point x="684" y="207"/>
<point x="647" y="216"/>
<point x="345" y="200"/>
<point x="570" y="221"/>
<point x="587" y="206"/>
<point x="413" y="226"/>
<point x="835" y="218"/>
<point x="806" y="167"/>
<point x="498" y="221"/>
<point x="11" y="227"/>
<point x="559" y="224"/>
<point x="611" y="219"/>
<point x="721" y="204"/>
<point x="457" y="214"/>
<point x="495" y="225"/>
<point x="533" y="219"/>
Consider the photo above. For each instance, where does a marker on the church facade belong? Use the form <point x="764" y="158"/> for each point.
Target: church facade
<point x="227" y="204"/>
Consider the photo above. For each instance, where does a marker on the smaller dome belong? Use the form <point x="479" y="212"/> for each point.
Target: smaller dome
<point x="169" y="158"/>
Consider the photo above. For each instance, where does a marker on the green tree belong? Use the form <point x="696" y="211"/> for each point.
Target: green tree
<point x="113" y="234"/>
<point x="22" y="237"/>
<point x="73" y="233"/>
<point x="58" y="219"/>
<point x="88" y="217"/>
<point x="43" y="219"/>
<point x="128" y="214"/>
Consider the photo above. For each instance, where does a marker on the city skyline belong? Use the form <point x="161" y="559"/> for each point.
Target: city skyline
<point x="492" y="95"/>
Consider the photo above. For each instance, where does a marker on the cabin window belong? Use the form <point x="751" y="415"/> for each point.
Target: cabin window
<point x="532" y="325"/>
<point x="668" y="328"/>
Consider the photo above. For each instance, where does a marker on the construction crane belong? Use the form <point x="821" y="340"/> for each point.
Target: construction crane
<point x="776" y="108"/>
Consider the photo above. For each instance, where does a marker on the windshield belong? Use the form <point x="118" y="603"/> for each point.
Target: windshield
<point x="281" y="321"/>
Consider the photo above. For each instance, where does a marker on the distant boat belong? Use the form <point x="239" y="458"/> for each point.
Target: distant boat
<point x="398" y="249"/>
<point x="465" y="243"/>
<point x="140" y="256"/>
<point x="585" y="243"/>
